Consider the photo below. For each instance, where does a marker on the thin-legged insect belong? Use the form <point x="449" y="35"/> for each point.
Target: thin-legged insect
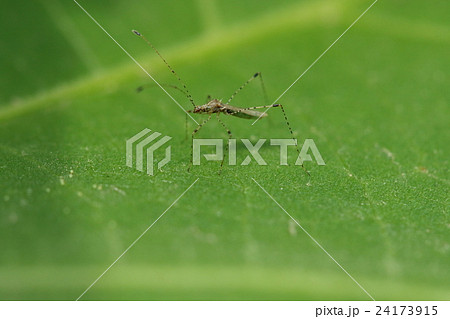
<point x="218" y="107"/>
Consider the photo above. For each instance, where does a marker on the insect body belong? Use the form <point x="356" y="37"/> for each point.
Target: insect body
<point x="217" y="106"/>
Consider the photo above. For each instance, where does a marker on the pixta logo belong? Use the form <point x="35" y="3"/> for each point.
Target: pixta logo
<point x="145" y="141"/>
<point x="144" y="144"/>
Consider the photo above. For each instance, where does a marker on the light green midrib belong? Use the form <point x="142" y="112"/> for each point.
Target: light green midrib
<point x="308" y="15"/>
<point x="218" y="278"/>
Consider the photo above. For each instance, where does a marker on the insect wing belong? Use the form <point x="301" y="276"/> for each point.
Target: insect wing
<point x="246" y="114"/>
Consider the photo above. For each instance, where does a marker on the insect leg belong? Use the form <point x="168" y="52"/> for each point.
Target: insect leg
<point x="292" y="134"/>
<point x="262" y="107"/>
<point x="243" y="86"/>
<point x="287" y="123"/>
<point x="186" y="128"/>
<point x="192" y="139"/>
<point x="242" y="110"/>
<point x="228" y="142"/>
<point x="266" y="99"/>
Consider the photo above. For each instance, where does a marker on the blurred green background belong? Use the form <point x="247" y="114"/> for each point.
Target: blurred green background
<point x="376" y="105"/>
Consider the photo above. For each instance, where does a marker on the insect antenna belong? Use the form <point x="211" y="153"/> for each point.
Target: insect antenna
<point x="142" y="87"/>
<point x="188" y="94"/>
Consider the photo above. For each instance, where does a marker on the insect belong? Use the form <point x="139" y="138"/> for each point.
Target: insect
<point x="217" y="107"/>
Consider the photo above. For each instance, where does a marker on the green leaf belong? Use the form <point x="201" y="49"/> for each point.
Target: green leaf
<point x="376" y="105"/>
